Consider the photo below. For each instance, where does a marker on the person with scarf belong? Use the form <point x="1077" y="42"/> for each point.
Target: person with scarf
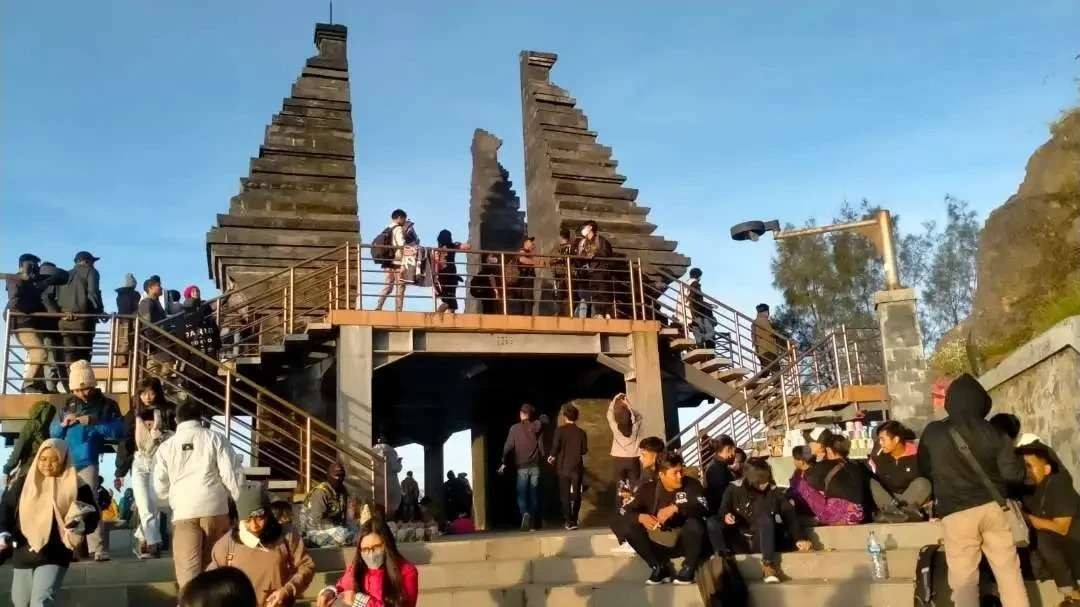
<point x="146" y="426"/>
<point x="323" y="517"/>
<point x="43" y="518"/>
<point x="379" y="575"/>
<point x="273" y="557"/>
<point x="625" y="425"/>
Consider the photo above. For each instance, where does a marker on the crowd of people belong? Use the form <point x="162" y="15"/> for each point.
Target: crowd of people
<point x="581" y="265"/>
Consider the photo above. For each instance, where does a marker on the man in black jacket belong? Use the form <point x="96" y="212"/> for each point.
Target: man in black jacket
<point x="80" y="296"/>
<point x="665" y="519"/>
<point x="718" y="474"/>
<point x="526" y="446"/>
<point x="51" y="280"/>
<point x="898" y="488"/>
<point x="24" y="298"/>
<point x="568" y="447"/>
<point x="127" y="304"/>
<point x="746" y="520"/>
<point x="972" y="523"/>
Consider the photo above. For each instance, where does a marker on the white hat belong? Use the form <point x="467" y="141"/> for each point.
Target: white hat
<point x="81" y="376"/>
<point x="1027" y="438"/>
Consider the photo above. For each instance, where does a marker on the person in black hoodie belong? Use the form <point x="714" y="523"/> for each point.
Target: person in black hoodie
<point x="898" y="489"/>
<point x="200" y="327"/>
<point x="972" y="523"/>
<point x="747" y="520"/>
<point x="78" y="298"/>
<point x="568" y="447"/>
<point x="718" y="475"/>
<point x="127" y="304"/>
<point x="838" y="489"/>
<point x="24" y="298"/>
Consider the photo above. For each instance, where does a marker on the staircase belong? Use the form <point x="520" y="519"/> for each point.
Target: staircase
<point x="570" y="569"/>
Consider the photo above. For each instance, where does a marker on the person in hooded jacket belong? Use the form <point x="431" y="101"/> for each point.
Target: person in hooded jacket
<point x="127" y="304"/>
<point x="51" y="278"/>
<point x="34" y="432"/>
<point x="272" y="556"/>
<point x="898" y="490"/>
<point x="79" y="297"/>
<point x="24" y="299"/>
<point x="200" y="327"/>
<point x="973" y="525"/>
<point x="837" y="490"/>
<point x="445" y="277"/>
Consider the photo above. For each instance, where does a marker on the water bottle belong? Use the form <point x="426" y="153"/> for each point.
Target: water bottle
<point x="879" y="567"/>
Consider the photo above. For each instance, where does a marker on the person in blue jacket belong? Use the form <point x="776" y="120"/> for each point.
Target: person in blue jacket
<point x="88" y="420"/>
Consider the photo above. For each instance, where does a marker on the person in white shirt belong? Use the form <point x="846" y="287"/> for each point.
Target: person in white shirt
<point x="196" y="472"/>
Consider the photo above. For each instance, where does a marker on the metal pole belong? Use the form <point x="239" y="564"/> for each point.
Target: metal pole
<point x="858" y="366"/>
<point x="633" y="291"/>
<point x="731" y="418"/>
<point x="502" y="267"/>
<point x="7" y="347"/>
<point x="348" y="277"/>
<point x="783" y="399"/>
<point x="570" y="287"/>
<point x="836" y="364"/>
<point x="307" y="456"/>
<point x="133" y="372"/>
<point x="336" y="297"/>
<point x="284" y="313"/>
<point x="847" y="355"/>
<point x="290" y="298"/>
<point x="641" y="285"/>
<point x="228" y="405"/>
<point x="888" y="249"/>
<point x="112" y="354"/>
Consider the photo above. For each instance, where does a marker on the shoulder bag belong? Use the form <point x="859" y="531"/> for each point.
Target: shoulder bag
<point x="1014" y="516"/>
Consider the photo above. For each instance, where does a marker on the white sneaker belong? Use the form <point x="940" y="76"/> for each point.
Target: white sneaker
<point x="624" y="549"/>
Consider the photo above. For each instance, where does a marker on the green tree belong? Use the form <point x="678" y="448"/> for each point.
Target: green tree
<point x="951" y="279"/>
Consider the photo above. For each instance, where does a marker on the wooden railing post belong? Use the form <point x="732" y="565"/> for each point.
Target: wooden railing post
<point x="307" y="457"/>
<point x="290" y="299"/>
<point x="7" y="347"/>
<point x="112" y="354"/>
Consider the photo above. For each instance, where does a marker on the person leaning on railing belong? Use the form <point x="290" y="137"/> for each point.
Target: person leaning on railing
<point x="24" y="297"/>
<point x="80" y="298"/>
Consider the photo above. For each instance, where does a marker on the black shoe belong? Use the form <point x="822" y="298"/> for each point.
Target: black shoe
<point x="660" y="574"/>
<point x="685" y="577"/>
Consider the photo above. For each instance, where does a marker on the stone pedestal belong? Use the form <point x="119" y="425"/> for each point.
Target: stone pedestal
<point x="906" y="377"/>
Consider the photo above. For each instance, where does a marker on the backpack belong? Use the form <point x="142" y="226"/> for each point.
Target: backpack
<point x="924" y="576"/>
<point x="382" y="247"/>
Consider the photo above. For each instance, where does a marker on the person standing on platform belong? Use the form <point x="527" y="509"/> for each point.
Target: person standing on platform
<point x="625" y="424"/>
<point x="24" y="298"/>
<point x="568" y="449"/>
<point x="410" y="498"/>
<point x="597" y="289"/>
<point x="525" y="445"/>
<point x="80" y="296"/>
<point x="445" y="277"/>
<point x="763" y="335"/>
<point x="393" y="239"/>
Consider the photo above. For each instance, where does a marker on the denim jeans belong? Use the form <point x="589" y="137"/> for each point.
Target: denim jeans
<point x="528" y="486"/>
<point x="38" y="587"/>
<point x="148" y="528"/>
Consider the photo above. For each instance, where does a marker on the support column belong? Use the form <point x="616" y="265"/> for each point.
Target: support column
<point x="354" y="395"/>
<point x="906" y="377"/>
<point x="644" y="384"/>
<point x="434" y="472"/>
<point x="479" y="475"/>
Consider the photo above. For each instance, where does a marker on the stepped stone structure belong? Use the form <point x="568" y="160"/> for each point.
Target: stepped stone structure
<point x="571" y="178"/>
<point x="496" y="221"/>
<point x="299" y="198"/>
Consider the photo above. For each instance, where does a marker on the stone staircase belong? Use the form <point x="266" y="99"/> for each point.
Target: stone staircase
<point x="564" y="569"/>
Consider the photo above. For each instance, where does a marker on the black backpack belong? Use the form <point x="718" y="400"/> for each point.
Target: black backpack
<point x="382" y="247"/>
<point x="924" y="576"/>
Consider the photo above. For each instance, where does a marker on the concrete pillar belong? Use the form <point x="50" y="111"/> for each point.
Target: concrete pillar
<point x="479" y="474"/>
<point x="354" y="400"/>
<point x="434" y="472"/>
<point x="906" y="377"/>
<point x="644" y="384"/>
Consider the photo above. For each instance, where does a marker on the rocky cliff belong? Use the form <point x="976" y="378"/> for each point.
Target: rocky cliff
<point x="1029" y="250"/>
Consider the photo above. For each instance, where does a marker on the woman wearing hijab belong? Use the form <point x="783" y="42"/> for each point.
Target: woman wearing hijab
<point x="272" y="557"/>
<point x="43" y="518"/>
<point x="378" y="576"/>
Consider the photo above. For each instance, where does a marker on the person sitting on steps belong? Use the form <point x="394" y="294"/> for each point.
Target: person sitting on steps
<point x="666" y="518"/>
<point x="747" y="520"/>
<point x="1051" y="509"/>
<point x="836" y="489"/>
<point x="898" y="488"/>
<point x="650" y="448"/>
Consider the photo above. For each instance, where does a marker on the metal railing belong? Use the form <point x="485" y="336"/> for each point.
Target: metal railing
<point x="258" y="423"/>
<point x="362" y="277"/>
<point x="783" y="393"/>
<point x="104" y="340"/>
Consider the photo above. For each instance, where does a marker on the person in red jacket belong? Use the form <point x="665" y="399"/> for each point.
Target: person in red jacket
<point x="378" y="576"/>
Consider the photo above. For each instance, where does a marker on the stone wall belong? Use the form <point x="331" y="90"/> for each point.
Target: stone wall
<point x="1040" y="383"/>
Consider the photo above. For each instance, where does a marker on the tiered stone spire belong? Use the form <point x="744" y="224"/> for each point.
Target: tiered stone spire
<point x="300" y="197"/>
<point x="496" y="221"/>
<point x="570" y="178"/>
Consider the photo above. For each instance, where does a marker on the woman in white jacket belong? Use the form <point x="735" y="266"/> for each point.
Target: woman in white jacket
<point x="625" y="425"/>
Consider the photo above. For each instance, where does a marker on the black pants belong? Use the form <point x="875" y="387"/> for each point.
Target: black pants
<point x="693" y="541"/>
<point x="1061" y="557"/>
<point x="570" y="496"/>
<point x="78" y="338"/>
<point x="763" y="537"/>
<point x="627" y="469"/>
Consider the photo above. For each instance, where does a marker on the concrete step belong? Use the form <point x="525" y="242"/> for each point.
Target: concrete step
<point x="714" y="364"/>
<point x="698" y="355"/>
<point x="731" y="373"/>
<point x="681" y="344"/>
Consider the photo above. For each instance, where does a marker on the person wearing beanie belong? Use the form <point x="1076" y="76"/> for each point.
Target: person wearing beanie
<point x="273" y="557"/>
<point x="972" y="522"/>
<point x="87" y="421"/>
<point x="127" y="304"/>
<point x="200" y="326"/>
<point x="51" y="279"/>
<point x="80" y="299"/>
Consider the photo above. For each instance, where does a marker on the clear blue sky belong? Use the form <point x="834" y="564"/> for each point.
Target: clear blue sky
<point x="126" y="125"/>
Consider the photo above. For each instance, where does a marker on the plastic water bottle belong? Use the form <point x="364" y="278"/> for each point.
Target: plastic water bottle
<point x="879" y="567"/>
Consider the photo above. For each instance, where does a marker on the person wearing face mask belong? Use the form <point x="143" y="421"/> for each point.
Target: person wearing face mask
<point x="597" y="292"/>
<point x="271" y="556"/>
<point x="323" y="517"/>
<point x="378" y="576"/>
<point x="44" y="517"/>
<point x="146" y="426"/>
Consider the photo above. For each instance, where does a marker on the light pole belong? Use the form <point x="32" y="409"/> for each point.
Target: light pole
<point x="878" y="230"/>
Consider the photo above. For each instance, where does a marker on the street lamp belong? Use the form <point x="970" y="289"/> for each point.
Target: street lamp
<point x="878" y="230"/>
